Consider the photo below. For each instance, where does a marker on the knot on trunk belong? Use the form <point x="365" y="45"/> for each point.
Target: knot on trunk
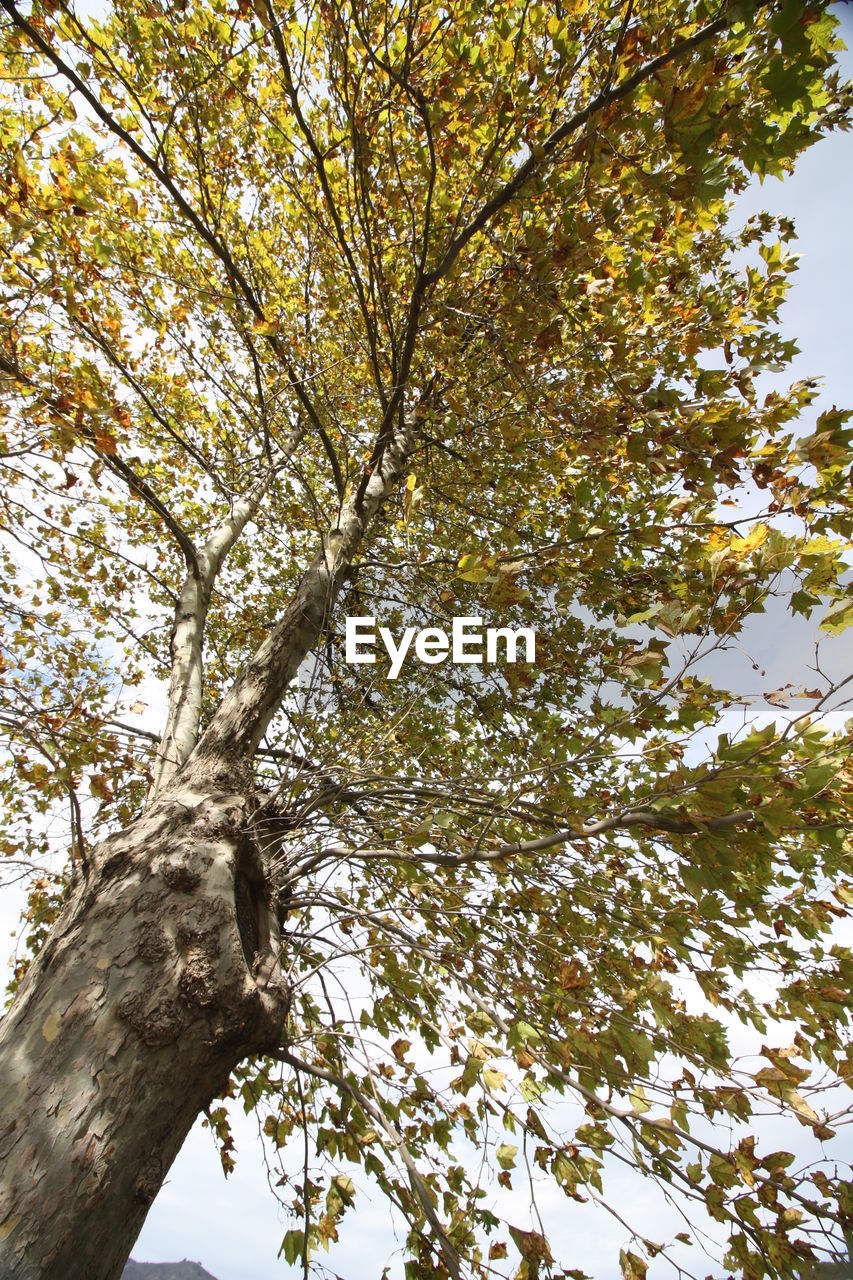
<point x="152" y="942"/>
<point x="150" y="1180"/>
<point x="157" y="1021"/>
<point x="180" y="877"/>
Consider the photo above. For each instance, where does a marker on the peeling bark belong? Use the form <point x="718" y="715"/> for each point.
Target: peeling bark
<point x="157" y="980"/>
<point x="160" y="975"/>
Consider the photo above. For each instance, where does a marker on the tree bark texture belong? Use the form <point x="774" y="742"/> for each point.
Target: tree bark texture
<point x="159" y="977"/>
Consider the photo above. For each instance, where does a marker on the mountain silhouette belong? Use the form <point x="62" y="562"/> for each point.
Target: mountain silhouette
<point x="165" y="1271"/>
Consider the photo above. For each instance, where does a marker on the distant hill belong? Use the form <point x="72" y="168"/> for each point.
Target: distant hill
<point x="195" y="1271"/>
<point x="835" y="1270"/>
<point x="165" y="1271"/>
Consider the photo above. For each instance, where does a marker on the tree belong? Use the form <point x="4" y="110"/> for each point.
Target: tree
<point x="417" y="311"/>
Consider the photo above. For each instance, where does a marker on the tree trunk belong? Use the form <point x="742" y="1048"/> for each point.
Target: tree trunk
<point x="156" y="981"/>
<point x="159" y="976"/>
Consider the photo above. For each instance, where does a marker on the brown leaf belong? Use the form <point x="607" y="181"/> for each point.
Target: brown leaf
<point x="550" y="336"/>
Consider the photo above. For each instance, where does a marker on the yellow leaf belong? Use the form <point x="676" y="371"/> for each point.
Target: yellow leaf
<point x="820" y="546"/>
<point x="804" y="1113"/>
<point x="495" y="1081"/>
<point x="632" y="1267"/>
<point x="744" y="546"/>
<point x="640" y="1101"/>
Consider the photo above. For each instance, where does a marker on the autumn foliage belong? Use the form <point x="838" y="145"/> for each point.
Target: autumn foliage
<point x="450" y="294"/>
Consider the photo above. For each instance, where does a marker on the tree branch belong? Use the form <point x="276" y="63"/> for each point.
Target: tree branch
<point x="186" y="681"/>
<point x="112" y="462"/>
<point x="237" y="278"/>
<point x="619" y="822"/>
<point x="213" y="243"/>
<point x="540" y="155"/>
<point x="331" y="204"/>
<point x="419" y="1187"/>
<point x="245" y="712"/>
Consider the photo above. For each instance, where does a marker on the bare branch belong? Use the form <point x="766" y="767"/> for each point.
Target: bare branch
<point x="619" y="822"/>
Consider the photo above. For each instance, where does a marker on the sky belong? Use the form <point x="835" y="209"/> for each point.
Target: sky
<point x="234" y="1228"/>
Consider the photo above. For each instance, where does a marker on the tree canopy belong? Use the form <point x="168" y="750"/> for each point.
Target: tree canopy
<point x="421" y="310"/>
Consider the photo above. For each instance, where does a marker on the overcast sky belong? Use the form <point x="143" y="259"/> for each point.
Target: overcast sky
<point x="234" y="1228"/>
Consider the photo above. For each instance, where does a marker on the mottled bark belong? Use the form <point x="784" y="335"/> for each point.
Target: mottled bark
<point x="161" y="973"/>
<point x="245" y="712"/>
<point x="157" y="980"/>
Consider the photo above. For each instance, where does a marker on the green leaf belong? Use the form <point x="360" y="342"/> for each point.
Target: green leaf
<point x="505" y="1155"/>
<point x="838" y="619"/>
<point x="292" y="1246"/>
